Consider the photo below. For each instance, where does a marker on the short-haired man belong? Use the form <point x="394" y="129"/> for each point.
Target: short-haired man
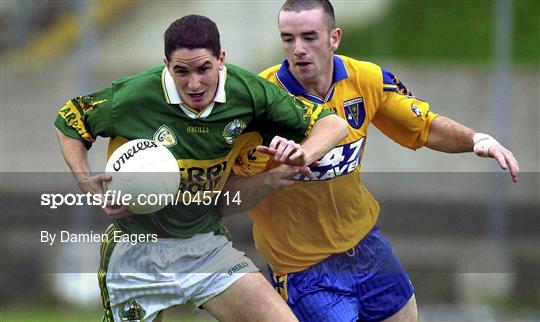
<point x="328" y="259"/>
<point x="193" y="260"/>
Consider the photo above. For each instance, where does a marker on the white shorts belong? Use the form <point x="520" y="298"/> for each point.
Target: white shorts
<point x="146" y="278"/>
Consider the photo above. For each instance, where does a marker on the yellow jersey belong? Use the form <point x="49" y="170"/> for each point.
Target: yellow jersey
<point x="298" y="226"/>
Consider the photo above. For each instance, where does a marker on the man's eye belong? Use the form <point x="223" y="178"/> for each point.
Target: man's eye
<point x="287" y="40"/>
<point x="204" y="69"/>
<point x="181" y="72"/>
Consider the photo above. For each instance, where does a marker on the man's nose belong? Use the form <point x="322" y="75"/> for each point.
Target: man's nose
<point x="194" y="83"/>
<point x="299" y="48"/>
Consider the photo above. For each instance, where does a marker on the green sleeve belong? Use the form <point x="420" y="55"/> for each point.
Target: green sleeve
<point x="285" y="115"/>
<point x="86" y="117"/>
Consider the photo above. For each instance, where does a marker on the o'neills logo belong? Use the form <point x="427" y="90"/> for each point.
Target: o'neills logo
<point x="197" y="129"/>
<point x="140" y="146"/>
<point x="237" y="267"/>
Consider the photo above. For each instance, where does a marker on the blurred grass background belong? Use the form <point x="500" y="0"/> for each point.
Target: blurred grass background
<point x="431" y="31"/>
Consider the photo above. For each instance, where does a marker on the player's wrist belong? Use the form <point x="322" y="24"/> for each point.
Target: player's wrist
<point x="267" y="182"/>
<point x="309" y="158"/>
<point x="81" y="177"/>
<point x="483" y="143"/>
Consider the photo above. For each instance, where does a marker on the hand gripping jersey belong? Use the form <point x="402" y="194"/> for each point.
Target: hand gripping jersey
<point x="147" y="106"/>
<point x="301" y="225"/>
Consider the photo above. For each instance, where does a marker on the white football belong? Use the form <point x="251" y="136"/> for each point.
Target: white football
<point x="145" y="170"/>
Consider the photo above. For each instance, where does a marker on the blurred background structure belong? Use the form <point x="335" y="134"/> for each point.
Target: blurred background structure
<point x="469" y="238"/>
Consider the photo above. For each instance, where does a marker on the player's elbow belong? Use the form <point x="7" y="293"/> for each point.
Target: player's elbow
<point x="340" y="127"/>
<point x="344" y="128"/>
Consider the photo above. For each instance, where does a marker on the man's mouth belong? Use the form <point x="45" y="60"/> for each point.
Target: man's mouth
<point x="196" y="95"/>
<point x="302" y="64"/>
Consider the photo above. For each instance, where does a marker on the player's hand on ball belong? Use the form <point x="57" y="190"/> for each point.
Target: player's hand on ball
<point x="94" y="185"/>
<point x="112" y="210"/>
<point x="116" y="211"/>
<point x="285" y="151"/>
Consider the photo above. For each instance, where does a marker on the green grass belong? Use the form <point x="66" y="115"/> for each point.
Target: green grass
<point x="444" y="30"/>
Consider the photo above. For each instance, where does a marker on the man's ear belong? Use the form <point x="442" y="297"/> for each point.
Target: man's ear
<point x="221" y="60"/>
<point x="335" y="39"/>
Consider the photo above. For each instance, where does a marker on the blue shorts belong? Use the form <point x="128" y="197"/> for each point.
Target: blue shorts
<point x="367" y="283"/>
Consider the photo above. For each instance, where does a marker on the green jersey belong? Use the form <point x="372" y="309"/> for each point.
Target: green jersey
<point x="206" y="143"/>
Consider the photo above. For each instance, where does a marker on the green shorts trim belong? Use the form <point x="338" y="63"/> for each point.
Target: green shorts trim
<point x="107" y="247"/>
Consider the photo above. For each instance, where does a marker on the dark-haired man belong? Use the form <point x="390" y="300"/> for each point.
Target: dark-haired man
<point x="204" y="111"/>
<point x="327" y="257"/>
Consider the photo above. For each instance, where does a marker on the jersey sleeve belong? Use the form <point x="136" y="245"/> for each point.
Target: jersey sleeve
<point x="284" y="115"/>
<point x="86" y="117"/>
<point x="401" y="116"/>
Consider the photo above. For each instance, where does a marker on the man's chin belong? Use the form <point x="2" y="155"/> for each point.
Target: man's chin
<point x="304" y="76"/>
<point x="196" y="104"/>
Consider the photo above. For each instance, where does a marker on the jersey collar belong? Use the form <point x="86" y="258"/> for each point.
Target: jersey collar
<point x="172" y="97"/>
<point x="287" y="80"/>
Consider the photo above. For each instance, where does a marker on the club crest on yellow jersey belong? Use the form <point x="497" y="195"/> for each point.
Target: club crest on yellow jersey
<point x="355" y="112"/>
<point x="165" y="136"/>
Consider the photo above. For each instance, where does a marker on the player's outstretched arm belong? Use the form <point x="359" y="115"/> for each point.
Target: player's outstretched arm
<point x="254" y="189"/>
<point x="76" y="157"/>
<point x="450" y="136"/>
<point x="325" y="135"/>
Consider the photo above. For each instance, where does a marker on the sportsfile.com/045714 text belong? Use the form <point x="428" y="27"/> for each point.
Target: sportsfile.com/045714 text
<point x="200" y="198"/>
